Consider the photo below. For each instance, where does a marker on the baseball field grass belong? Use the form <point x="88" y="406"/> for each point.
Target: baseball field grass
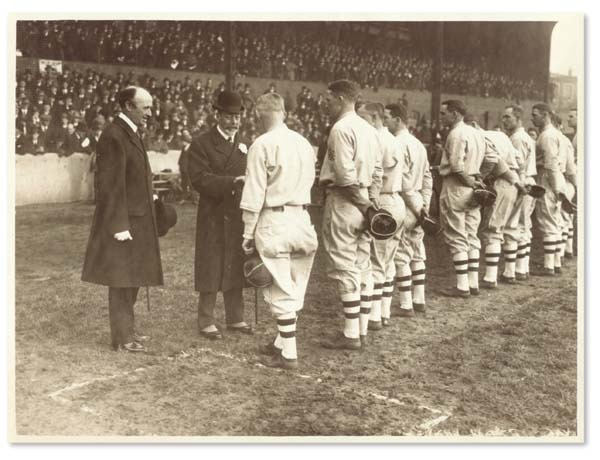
<point x="501" y="364"/>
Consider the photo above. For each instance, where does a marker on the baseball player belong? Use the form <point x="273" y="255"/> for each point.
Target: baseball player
<point x="464" y="159"/>
<point x="417" y="184"/>
<point x="382" y="251"/>
<point x="512" y="121"/>
<point x="351" y="176"/>
<point x="550" y="162"/>
<point x="280" y="174"/>
<point x="501" y="220"/>
<point x="572" y="123"/>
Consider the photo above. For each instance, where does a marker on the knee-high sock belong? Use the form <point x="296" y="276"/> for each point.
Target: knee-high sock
<point x="557" y="254"/>
<point x="286" y="325"/>
<point x="366" y="296"/>
<point x="520" y="266"/>
<point x="376" y="302"/>
<point x="492" y="257"/>
<point x="386" y="298"/>
<point x="351" y="304"/>
<point x="418" y="281"/>
<point x="527" y="255"/>
<point x="510" y="258"/>
<point x="403" y="281"/>
<point x="549" y="252"/>
<point x="569" y="246"/>
<point x="461" y="263"/>
<point x="563" y="243"/>
<point x="474" y="268"/>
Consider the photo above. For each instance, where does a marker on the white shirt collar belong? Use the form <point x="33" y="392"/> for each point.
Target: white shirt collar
<point x="225" y="136"/>
<point x="127" y="120"/>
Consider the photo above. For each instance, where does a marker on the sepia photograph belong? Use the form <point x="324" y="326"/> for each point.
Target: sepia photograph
<point x="296" y="228"/>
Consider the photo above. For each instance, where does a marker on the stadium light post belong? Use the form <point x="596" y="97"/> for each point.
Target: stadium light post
<point x="436" y="76"/>
<point x="230" y="56"/>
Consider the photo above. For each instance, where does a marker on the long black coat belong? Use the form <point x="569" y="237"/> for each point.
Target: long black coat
<point x="213" y="164"/>
<point x="123" y="202"/>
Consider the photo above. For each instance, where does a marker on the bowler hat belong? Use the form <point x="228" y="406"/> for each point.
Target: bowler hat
<point x="230" y="102"/>
<point x="166" y="217"/>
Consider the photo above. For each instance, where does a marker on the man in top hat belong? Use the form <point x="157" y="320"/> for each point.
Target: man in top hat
<point x="123" y="251"/>
<point x="216" y="169"/>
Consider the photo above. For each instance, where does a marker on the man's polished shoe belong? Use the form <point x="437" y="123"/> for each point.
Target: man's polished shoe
<point x="212" y="335"/>
<point x="278" y="361"/>
<point x="507" y="279"/>
<point x="269" y="349"/>
<point x="243" y="329"/>
<point x="405" y="313"/>
<point x="374" y="325"/>
<point x="489" y="284"/>
<point x="341" y="342"/>
<point x="521" y="276"/>
<point x="474" y="291"/>
<point x="132" y="347"/>
<point x="419" y="307"/>
<point x="140" y="337"/>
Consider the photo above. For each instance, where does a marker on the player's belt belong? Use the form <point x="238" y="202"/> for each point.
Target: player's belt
<point x="282" y="208"/>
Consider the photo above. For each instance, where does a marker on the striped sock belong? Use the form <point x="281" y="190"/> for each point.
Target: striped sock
<point x="569" y="246"/>
<point x="557" y="254"/>
<point x="403" y="281"/>
<point x="474" y="268"/>
<point x="549" y="251"/>
<point x="492" y="257"/>
<point x="286" y="325"/>
<point x="563" y="243"/>
<point x="418" y="281"/>
<point x="460" y="260"/>
<point x="520" y="262"/>
<point x="376" y="303"/>
<point x="351" y="304"/>
<point x="386" y="298"/>
<point x="510" y="258"/>
<point x="366" y="295"/>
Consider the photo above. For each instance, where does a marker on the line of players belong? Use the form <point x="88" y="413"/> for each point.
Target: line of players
<point x="373" y="162"/>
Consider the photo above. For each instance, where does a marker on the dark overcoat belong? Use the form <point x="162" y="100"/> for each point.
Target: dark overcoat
<point x="213" y="164"/>
<point x="124" y="201"/>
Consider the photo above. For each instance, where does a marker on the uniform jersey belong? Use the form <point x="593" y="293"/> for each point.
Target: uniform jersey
<point x="353" y="154"/>
<point x="569" y="155"/>
<point x="550" y="150"/>
<point x="464" y="151"/>
<point x="280" y="171"/>
<point x="524" y="144"/>
<point x="505" y="149"/>
<point x="392" y="161"/>
<point x="416" y="174"/>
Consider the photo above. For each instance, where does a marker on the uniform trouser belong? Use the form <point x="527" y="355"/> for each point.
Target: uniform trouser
<point x="120" y="314"/>
<point x="234" y="307"/>
<point x="459" y="219"/>
<point x="383" y="251"/>
<point x="287" y="243"/>
<point x="525" y="224"/>
<point x="501" y="220"/>
<point x="548" y="212"/>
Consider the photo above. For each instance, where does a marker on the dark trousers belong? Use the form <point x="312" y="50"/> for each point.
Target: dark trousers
<point x="120" y="313"/>
<point x="234" y="307"/>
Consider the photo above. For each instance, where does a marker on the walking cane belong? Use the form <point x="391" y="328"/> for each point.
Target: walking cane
<point x="256" y="307"/>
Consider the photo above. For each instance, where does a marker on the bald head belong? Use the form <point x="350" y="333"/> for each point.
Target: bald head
<point x="136" y="103"/>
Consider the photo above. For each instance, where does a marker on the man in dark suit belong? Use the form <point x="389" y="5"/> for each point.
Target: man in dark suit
<point x="216" y="168"/>
<point x="123" y="251"/>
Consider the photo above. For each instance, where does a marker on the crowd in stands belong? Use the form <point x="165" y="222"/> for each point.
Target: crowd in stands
<point x="65" y="112"/>
<point x="303" y="56"/>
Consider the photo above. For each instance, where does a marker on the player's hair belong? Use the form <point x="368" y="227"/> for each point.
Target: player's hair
<point x="270" y="102"/>
<point x="517" y="110"/>
<point x="126" y="95"/>
<point x="397" y="111"/>
<point x="470" y="117"/>
<point x="543" y="107"/>
<point x="556" y="120"/>
<point x="375" y="108"/>
<point x="455" y="105"/>
<point x="345" y="88"/>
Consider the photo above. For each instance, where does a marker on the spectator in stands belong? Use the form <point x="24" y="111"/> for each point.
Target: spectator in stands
<point x="158" y="143"/>
<point x="71" y="142"/>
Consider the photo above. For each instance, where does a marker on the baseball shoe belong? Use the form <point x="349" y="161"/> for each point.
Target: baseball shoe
<point x="363" y="341"/>
<point x="132" y="347"/>
<point x="385" y="322"/>
<point x="405" y="313"/>
<point x="489" y="284"/>
<point x="374" y="325"/>
<point x="557" y="270"/>
<point x="521" y="276"/>
<point x="546" y="272"/>
<point x="507" y="279"/>
<point x="455" y="292"/>
<point x="269" y="349"/>
<point x="279" y="361"/>
<point x="419" y="307"/>
<point x="474" y="291"/>
<point x="569" y="255"/>
<point x="341" y="342"/>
